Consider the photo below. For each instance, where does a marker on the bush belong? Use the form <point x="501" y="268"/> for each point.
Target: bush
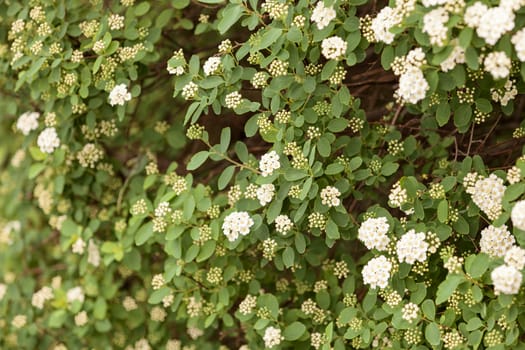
<point x="242" y="175"/>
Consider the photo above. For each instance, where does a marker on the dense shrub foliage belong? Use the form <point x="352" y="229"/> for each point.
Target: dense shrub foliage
<point x="212" y="174"/>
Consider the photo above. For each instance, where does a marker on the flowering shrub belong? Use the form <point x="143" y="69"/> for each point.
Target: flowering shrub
<point x="237" y="174"/>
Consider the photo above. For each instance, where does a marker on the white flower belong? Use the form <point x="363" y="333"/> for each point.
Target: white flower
<point x="383" y="22"/>
<point x="497" y="64"/>
<point x="322" y="16"/>
<point x="119" y="95"/>
<point x="79" y="246"/>
<point x="517" y="215"/>
<point x="175" y="70"/>
<point x="48" y="140"/>
<point x="333" y="48"/>
<point x="81" y="319"/>
<point x="330" y="196"/>
<point x="373" y="233"/>
<point x="233" y="100"/>
<point x="515" y="257"/>
<point x="496" y="241"/>
<point x="212" y="65"/>
<point x="494" y="23"/>
<point x="283" y="224"/>
<point x="412" y="85"/>
<point x="506" y="279"/>
<point x="487" y="194"/>
<point x="377" y="272"/>
<point x="75" y="294"/>
<point x="27" y="122"/>
<point x="265" y="193"/>
<point x="19" y="321"/>
<point x="238" y="222"/>
<point x="40" y="297"/>
<point x="409" y="312"/>
<point x="190" y="90"/>
<point x="269" y="163"/>
<point x="434" y="25"/>
<point x="272" y="337"/>
<point x="474" y="13"/>
<point x="412" y="247"/>
<point x="456" y="56"/>
<point x="518" y="40"/>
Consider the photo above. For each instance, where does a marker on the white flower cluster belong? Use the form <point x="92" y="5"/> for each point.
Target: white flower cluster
<point x="322" y="15"/>
<point x="518" y="40"/>
<point x="27" y="122"/>
<point x="265" y="193"/>
<point x="212" y="65"/>
<point x="497" y="64"/>
<point x="456" y="56"/>
<point x="283" y="224"/>
<point x="190" y="90"/>
<point x="48" y="140"/>
<point x="238" y="222"/>
<point x="398" y="195"/>
<point x="412" y="247"/>
<point x="506" y="279"/>
<point x="373" y="233"/>
<point x="505" y="94"/>
<point x="410" y="312"/>
<point x="517" y="215"/>
<point x="496" y="241"/>
<point x="376" y="272"/>
<point x="330" y="196"/>
<point x="272" y="337"/>
<point x="269" y="163"/>
<point x="119" y="95"/>
<point x="75" y="294"/>
<point x="491" y="23"/>
<point x="233" y="100"/>
<point x="412" y="85"/>
<point x="40" y="297"/>
<point x="333" y="48"/>
<point x="434" y="25"/>
<point x="79" y="246"/>
<point x="383" y="22"/>
<point x="487" y="194"/>
<point x="515" y="257"/>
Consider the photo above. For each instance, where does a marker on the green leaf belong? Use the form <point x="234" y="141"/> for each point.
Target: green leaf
<point x="429" y="309"/>
<point x="443" y="113"/>
<point x="230" y="15"/>
<point x="447" y="287"/>
<point x="332" y="231"/>
<point x="474" y="323"/>
<point x="142" y="8"/>
<point x="225" y="140"/>
<point x="35" y="170"/>
<point x="442" y="211"/>
<point x="57" y="318"/>
<point x="389" y="168"/>
<point x="157" y="295"/>
<point x="514" y="191"/>
<point x="269" y="37"/>
<point x="288" y="257"/>
<point x="100" y="309"/>
<point x="294" y="331"/>
<point x="225" y="177"/>
<point x="476" y="265"/>
<point x="432" y="334"/>
<point x="197" y="160"/>
<point x="144" y="233"/>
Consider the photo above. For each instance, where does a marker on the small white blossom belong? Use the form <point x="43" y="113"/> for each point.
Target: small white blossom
<point x="333" y="48"/>
<point x="515" y="257"/>
<point x="233" y="100"/>
<point x="330" y="196"/>
<point x="119" y="95"/>
<point x="212" y="65"/>
<point x="322" y="16"/>
<point x="75" y="294"/>
<point x="283" y="224"/>
<point x="27" y="122"/>
<point x="412" y="247"/>
<point x="79" y="246"/>
<point x="506" y="279"/>
<point x="494" y="23"/>
<point x="487" y="194"/>
<point x="265" y="193"/>
<point x="498" y="64"/>
<point x="412" y="85"/>
<point x="496" y="241"/>
<point x="237" y="223"/>
<point x="410" y="312"/>
<point x="48" y="140"/>
<point x="518" y="40"/>
<point x="376" y="272"/>
<point x="517" y="215"/>
<point x="269" y="163"/>
<point x="272" y="337"/>
<point x="373" y="233"/>
<point x="40" y="297"/>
